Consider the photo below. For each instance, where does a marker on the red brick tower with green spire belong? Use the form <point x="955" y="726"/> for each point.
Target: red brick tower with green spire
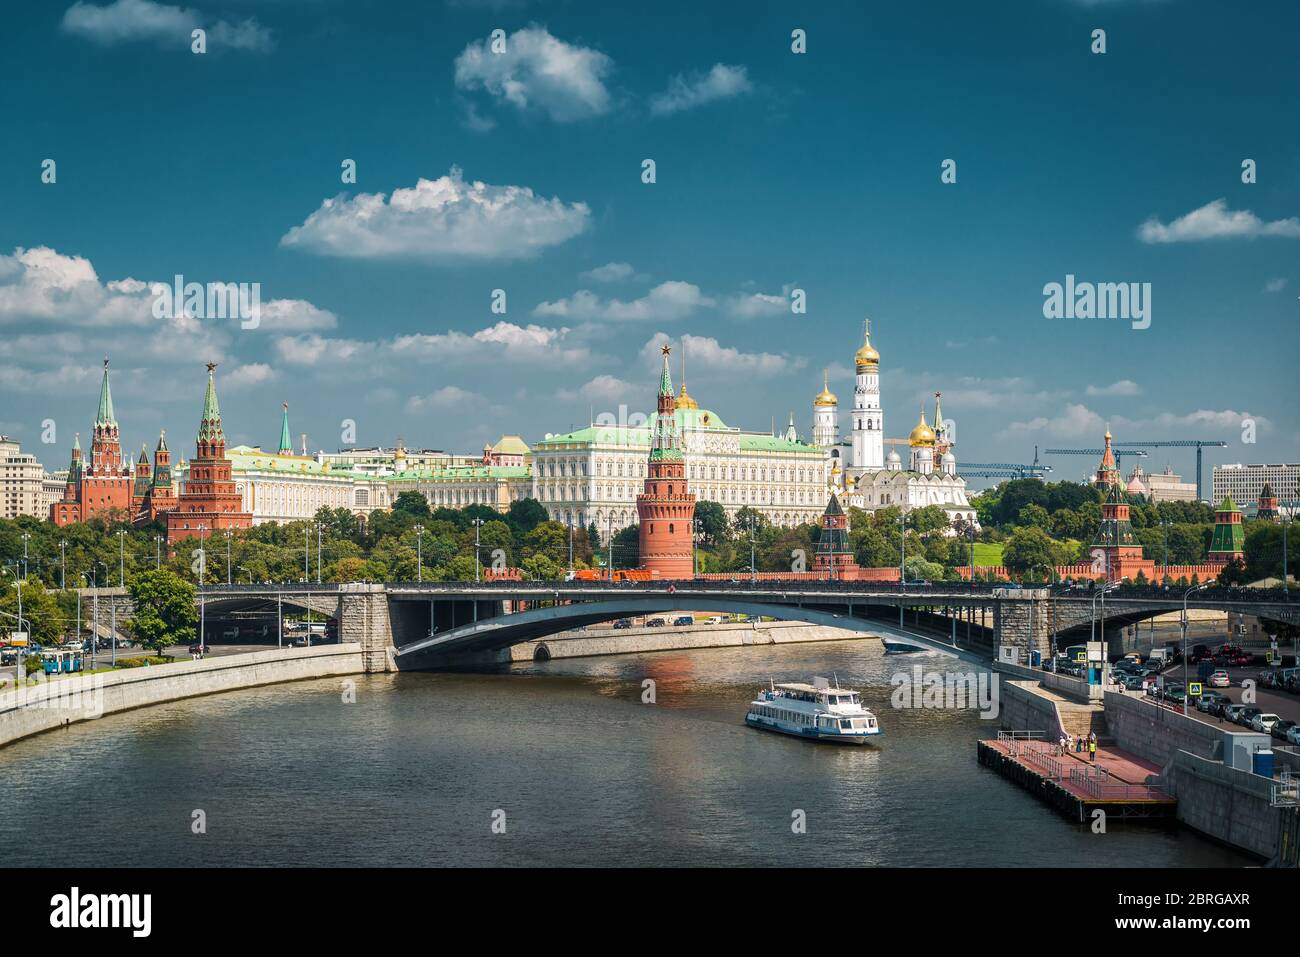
<point x="666" y="509"/>
<point x="209" y="502"/>
<point x="105" y="485"/>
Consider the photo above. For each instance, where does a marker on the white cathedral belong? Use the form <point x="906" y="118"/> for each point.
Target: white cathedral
<point x="872" y="480"/>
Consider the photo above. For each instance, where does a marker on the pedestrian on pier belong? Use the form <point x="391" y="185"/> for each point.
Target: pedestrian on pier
<point x="1092" y="751"/>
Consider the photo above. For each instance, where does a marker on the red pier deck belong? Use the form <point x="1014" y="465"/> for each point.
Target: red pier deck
<point x="1119" y="783"/>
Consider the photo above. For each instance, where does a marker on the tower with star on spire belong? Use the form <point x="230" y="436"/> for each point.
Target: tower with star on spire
<point x="666" y="509"/>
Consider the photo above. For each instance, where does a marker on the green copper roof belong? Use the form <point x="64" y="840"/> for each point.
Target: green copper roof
<point x="1228" y="505"/>
<point x="286" y="441"/>
<point x="105" y="414"/>
<point x="210" y="425"/>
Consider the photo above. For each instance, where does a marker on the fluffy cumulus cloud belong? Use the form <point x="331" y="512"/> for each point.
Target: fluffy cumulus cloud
<point x="501" y="343"/>
<point x="1124" y="387"/>
<point x="665" y="302"/>
<point x="128" y="21"/>
<point x="538" y="73"/>
<point x="441" y="220"/>
<point x="1074" y="421"/>
<point x="723" y="362"/>
<point x="1215" y="221"/>
<point x="1275" y="285"/>
<point x="684" y="92"/>
<point x="1077" y="421"/>
<point x="448" y="398"/>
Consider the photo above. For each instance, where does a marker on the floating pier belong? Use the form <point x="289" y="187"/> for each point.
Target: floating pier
<point x="1121" y="784"/>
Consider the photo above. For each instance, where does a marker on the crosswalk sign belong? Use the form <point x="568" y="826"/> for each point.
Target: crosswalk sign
<point x="1195" y="688"/>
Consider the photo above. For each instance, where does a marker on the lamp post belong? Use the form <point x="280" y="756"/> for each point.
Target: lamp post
<point x="243" y="568"/>
<point x="570" y="526"/>
<point x="63" y="565"/>
<point x="157" y="551"/>
<point x="478" y="524"/>
<point x="902" y="561"/>
<point x="319" y="529"/>
<point x="121" y="558"/>
<point x="203" y="557"/>
<point x="306" y="553"/>
<point x="695" y="545"/>
<point x="18" y="661"/>
<point x="228" y="580"/>
<point x="610" y="539"/>
<point x="753" y="566"/>
<point x="26" y="536"/>
<point x="94" y="619"/>
<point x="419" y="553"/>
<point x="1186" y="594"/>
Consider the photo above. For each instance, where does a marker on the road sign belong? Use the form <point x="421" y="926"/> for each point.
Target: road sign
<point x="18" y="638"/>
<point x="1194" y="688"/>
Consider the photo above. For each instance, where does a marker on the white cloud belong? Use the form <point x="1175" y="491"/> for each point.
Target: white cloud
<point x="1275" y="285"/>
<point x="501" y="343"/>
<point x="1074" y="421"/>
<point x="250" y="374"/>
<point x="445" y="220"/>
<point x="295" y="315"/>
<point x="1215" y="221"/>
<point x="703" y="352"/>
<point x="687" y="92"/>
<point x="611" y="272"/>
<point x="667" y="301"/>
<point x="447" y="398"/>
<point x="538" y="73"/>
<point x="125" y="21"/>
<point x="1124" y="387"/>
<point x="606" y="388"/>
<point x="758" y="305"/>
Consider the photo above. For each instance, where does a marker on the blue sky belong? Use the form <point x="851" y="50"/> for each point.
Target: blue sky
<point x="775" y="171"/>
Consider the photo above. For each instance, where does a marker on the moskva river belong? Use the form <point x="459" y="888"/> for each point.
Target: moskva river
<point x="549" y="764"/>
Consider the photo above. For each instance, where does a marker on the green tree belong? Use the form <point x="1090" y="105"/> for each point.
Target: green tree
<point x="714" y="527"/>
<point x="165" y="609"/>
<point x="412" y="503"/>
<point x="1030" y="549"/>
<point x="45" y="621"/>
<point x="524" y="515"/>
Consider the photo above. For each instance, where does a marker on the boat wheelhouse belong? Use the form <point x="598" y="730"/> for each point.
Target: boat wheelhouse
<point x="814" y="711"/>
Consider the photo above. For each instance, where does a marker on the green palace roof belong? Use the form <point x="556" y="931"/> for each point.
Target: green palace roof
<point x="250" y="458"/>
<point x="695" y="420"/>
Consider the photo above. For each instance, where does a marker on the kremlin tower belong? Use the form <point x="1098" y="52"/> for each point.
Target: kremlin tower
<point x="106" y="485"/>
<point x="209" y="501"/>
<point x="1228" y="544"/>
<point x="161" y="495"/>
<point x="666" y="509"/>
<point x="1107" y="471"/>
<point x="868" y="421"/>
<point x="833" y="558"/>
<point x="1266" y="510"/>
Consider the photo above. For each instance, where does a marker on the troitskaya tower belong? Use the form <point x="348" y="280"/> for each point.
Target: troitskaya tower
<point x="868" y="421"/>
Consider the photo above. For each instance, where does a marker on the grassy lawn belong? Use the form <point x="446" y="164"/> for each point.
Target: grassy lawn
<point x="988" y="554"/>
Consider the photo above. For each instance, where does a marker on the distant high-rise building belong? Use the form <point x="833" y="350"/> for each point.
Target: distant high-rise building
<point x="1245" y="483"/>
<point x="22" y="480"/>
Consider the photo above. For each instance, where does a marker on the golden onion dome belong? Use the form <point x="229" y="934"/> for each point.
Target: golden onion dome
<point x="866" y="357"/>
<point x="685" y="400"/>
<point x="922" y="436"/>
<point x="825" y="397"/>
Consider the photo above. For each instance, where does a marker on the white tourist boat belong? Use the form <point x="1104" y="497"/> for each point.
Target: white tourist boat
<point x="817" y="711"/>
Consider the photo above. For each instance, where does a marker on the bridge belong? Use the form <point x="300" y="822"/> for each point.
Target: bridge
<point x="412" y="626"/>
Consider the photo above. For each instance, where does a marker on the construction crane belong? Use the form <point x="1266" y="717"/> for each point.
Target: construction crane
<point x="1119" y="454"/>
<point x="1198" y="444"/>
<point x="1016" y="470"/>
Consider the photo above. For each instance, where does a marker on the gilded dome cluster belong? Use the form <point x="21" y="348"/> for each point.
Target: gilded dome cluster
<point x="867" y="359"/>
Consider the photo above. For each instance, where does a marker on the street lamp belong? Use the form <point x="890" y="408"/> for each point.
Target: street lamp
<point x="121" y="558"/>
<point x="203" y="558"/>
<point x="478" y="523"/>
<point x="26" y="536"/>
<point x="1185" y="596"/>
<point x="243" y="568"/>
<point x="94" y="617"/>
<point x="319" y="528"/>
<point x="157" y="551"/>
<point x="419" y="553"/>
<point x="306" y="553"/>
<point x="63" y="566"/>
<point x="18" y="583"/>
<point x="902" y="562"/>
<point x="228" y="581"/>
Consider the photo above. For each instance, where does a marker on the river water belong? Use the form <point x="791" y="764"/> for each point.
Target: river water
<point x="565" y="755"/>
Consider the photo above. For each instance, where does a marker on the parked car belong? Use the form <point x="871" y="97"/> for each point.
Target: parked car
<point x="623" y="623"/>
<point x="1199" y="653"/>
<point x="1132" y="682"/>
<point x="1246" y="715"/>
<point x="1175" y="695"/>
<point x="655" y="623"/>
<point x="1293" y="734"/>
<point x="1232" y="712"/>
<point x="1208" y="702"/>
<point x="198" y="649"/>
<point x="1220" y="679"/>
<point x="1264" y="721"/>
<point x="1280" y="728"/>
<point x="684" y="620"/>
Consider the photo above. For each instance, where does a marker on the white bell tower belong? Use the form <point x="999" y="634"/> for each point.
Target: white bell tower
<point x="868" y="420"/>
